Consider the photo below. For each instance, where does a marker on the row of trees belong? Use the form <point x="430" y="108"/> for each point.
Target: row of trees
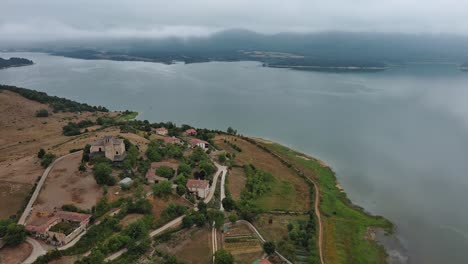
<point x="58" y="104"/>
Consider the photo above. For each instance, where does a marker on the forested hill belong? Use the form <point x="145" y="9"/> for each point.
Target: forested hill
<point x="14" y="62"/>
<point x="329" y="49"/>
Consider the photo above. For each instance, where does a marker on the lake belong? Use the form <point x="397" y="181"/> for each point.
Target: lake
<point x="397" y="139"/>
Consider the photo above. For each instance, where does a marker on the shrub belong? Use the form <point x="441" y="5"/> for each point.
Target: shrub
<point x="71" y="129"/>
<point x="41" y="153"/>
<point x="102" y="174"/>
<point x="42" y="113"/>
<point x="47" y="159"/>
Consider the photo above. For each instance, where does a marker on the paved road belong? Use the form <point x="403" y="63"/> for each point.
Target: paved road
<point x="36" y="252"/>
<point x="31" y="202"/>
<point x="215" y="181"/>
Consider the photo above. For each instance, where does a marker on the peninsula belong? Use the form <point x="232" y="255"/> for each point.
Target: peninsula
<point x="100" y="185"/>
<point x="14" y="62"/>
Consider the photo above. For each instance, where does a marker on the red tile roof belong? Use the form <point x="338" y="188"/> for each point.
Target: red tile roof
<point x="195" y="141"/>
<point x="199" y="184"/>
<point x="191" y="131"/>
<point x="70" y="216"/>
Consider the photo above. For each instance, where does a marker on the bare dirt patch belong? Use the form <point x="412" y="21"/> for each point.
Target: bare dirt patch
<point x="66" y="185"/>
<point x="14" y="255"/>
<point x="236" y="182"/>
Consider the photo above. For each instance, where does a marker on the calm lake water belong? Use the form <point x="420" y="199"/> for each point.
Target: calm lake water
<point x="397" y="139"/>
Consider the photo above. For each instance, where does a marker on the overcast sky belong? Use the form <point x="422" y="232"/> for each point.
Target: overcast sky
<point x="64" y="19"/>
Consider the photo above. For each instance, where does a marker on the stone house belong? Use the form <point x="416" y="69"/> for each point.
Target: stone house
<point x="110" y="147"/>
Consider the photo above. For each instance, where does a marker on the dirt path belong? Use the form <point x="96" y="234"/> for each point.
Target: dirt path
<point x="316" y="208"/>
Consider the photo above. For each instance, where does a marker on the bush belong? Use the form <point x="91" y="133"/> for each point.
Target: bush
<point x="42" y="113"/>
<point x="71" y="129"/>
<point x="41" y="153"/>
<point x="223" y="257"/>
<point x="269" y="247"/>
<point x="47" y="159"/>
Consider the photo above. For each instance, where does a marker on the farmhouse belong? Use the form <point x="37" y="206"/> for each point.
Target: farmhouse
<point x="161" y="131"/>
<point x="200" y="187"/>
<point x="195" y="142"/>
<point x="152" y="176"/>
<point x="112" y="148"/>
<point x="191" y="132"/>
<point x="61" y="228"/>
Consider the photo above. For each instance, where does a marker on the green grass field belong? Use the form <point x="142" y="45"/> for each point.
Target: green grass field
<point x="345" y="225"/>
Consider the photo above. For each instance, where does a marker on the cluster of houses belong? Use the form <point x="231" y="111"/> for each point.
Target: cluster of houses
<point x="114" y="149"/>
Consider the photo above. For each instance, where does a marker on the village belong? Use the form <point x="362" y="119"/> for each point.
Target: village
<point x="88" y="185"/>
<point x="162" y="178"/>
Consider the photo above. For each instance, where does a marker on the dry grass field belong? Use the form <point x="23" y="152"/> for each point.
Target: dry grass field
<point x="22" y="134"/>
<point x="15" y="255"/>
<point x="159" y="203"/>
<point x="236" y="182"/>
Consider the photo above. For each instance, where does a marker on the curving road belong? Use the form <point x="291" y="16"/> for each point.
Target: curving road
<point x="36" y="252"/>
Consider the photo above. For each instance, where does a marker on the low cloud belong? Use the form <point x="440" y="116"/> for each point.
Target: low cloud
<point x="26" y="20"/>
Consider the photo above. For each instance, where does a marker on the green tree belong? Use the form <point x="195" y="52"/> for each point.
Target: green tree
<point x="207" y="167"/>
<point x="229" y="204"/>
<point x="217" y="217"/>
<point x="15" y="234"/>
<point x="102" y="174"/>
<point x="185" y="169"/>
<point x="181" y="189"/>
<point x="165" y="171"/>
<point x="162" y="189"/>
<point x="269" y="247"/>
<point x="132" y="157"/>
<point x="222" y="158"/>
<point x="223" y="257"/>
<point x="47" y="159"/>
<point x="233" y="218"/>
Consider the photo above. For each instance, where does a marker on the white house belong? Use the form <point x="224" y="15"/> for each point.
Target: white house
<point x="200" y="187"/>
<point x="195" y="142"/>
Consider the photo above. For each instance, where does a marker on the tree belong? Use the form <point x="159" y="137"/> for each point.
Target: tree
<point x="41" y="153"/>
<point x="202" y="207"/>
<point x="231" y="131"/>
<point x="222" y="158"/>
<point x="47" y="159"/>
<point x="217" y="217"/>
<point x="162" y="189"/>
<point x="269" y="247"/>
<point x="15" y="234"/>
<point x="185" y="169"/>
<point x="165" y="171"/>
<point x="181" y="189"/>
<point x="223" y="257"/>
<point x="233" y="218"/>
<point x="102" y="174"/>
<point x="132" y="157"/>
<point x="207" y="167"/>
<point x="229" y="204"/>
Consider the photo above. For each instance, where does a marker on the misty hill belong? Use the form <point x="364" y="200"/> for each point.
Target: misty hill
<point x="313" y="49"/>
<point x="14" y="62"/>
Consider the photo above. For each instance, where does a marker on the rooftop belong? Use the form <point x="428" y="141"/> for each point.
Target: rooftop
<point x="197" y="184"/>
